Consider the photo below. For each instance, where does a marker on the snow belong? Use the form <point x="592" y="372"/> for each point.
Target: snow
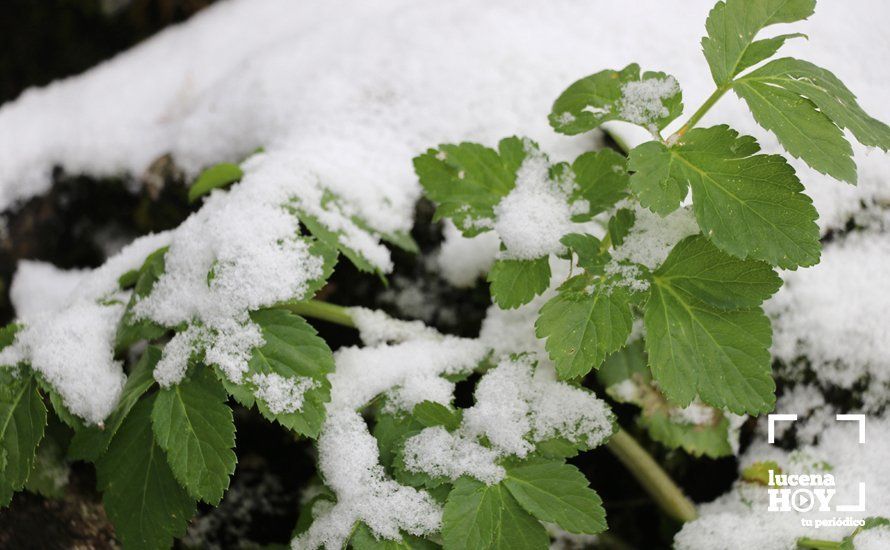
<point x="652" y="237"/>
<point x="462" y="260"/>
<point x="744" y="508"/>
<point x="642" y="101"/>
<point x="519" y="404"/>
<point x="876" y="538"/>
<point x="837" y="316"/>
<point x="69" y="333"/>
<point x="439" y="453"/>
<point x="282" y="394"/>
<point x="536" y="214"/>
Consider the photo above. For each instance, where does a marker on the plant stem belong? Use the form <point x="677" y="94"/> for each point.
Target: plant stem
<point x="817" y="544"/>
<point x="642" y="466"/>
<point x="652" y="477"/>
<point x="331" y="313"/>
<point x="696" y="116"/>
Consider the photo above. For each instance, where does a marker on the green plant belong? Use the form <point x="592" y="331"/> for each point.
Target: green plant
<point x="427" y="472"/>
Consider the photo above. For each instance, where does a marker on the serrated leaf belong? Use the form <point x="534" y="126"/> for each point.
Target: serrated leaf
<point x="292" y="349"/>
<point x="589" y="251"/>
<point x="22" y="421"/>
<point x="804" y="131"/>
<point x="516" y="282"/>
<point x="749" y="205"/>
<point x="584" y="323"/>
<point x="556" y="492"/>
<point x="615" y="95"/>
<point x="696" y="348"/>
<point x="328" y="255"/>
<point x="331" y="239"/>
<point x="390" y="431"/>
<point x="698" y="268"/>
<point x="144" y="501"/>
<point x="710" y="440"/>
<point x="364" y="539"/>
<point x="467" y="180"/>
<point x="49" y="477"/>
<point x="620" y="224"/>
<point x="217" y="176"/>
<point x="629" y="361"/>
<point x="91" y="442"/>
<point x="601" y="179"/>
<point x="130" y="330"/>
<point x="487" y="516"/>
<point x="732" y="25"/>
<point x="827" y="92"/>
<point x="194" y="425"/>
<point x="430" y="413"/>
<point x="653" y="181"/>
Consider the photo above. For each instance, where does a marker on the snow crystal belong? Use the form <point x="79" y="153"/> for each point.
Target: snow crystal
<point x="696" y="413"/>
<point x="348" y="456"/>
<point x="652" y="237"/>
<point x="69" y="338"/>
<point x="349" y="460"/>
<point x="443" y="454"/>
<point x="535" y="215"/>
<point x="836" y="315"/>
<point x="282" y="394"/>
<point x="462" y="260"/>
<point x="376" y="327"/>
<point x="642" y="101"/>
<point x="518" y="404"/>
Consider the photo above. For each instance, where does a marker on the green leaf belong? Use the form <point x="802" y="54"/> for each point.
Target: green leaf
<point x="758" y="472"/>
<point x="804" y="131"/>
<point x="710" y="440"/>
<point x="292" y="349"/>
<point x="390" y="431"/>
<point x="22" y="421"/>
<point x="91" y="442"/>
<point x="584" y="323"/>
<point x="328" y="256"/>
<point x="620" y="224"/>
<point x="144" y="501"/>
<point x="629" y="361"/>
<point x="653" y="181"/>
<point x="828" y="93"/>
<point x="652" y="101"/>
<point x="516" y="282"/>
<point x="557" y="492"/>
<point x="430" y="413"/>
<point x="467" y="180"/>
<point x="696" y="348"/>
<point x="130" y="330"/>
<point x="364" y="539"/>
<point x="49" y="478"/>
<point x="699" y="269"/>
<point x="601" y="179"/>
<point x="732" y="26"/>
<point x="331" y="240"/>
<point x="487" y="516"/>
<point x="194" y="425"/>
<point x="748" y="205"/>
<point x="588" y="249"/>
<point x="217" y="176"/>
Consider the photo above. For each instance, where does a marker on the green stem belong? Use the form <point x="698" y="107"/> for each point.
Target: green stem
<point x="331" y="313"/>
<point x="817" y="544"/>
<point x="696" y="116"/>
<point x="652" y="477"/>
